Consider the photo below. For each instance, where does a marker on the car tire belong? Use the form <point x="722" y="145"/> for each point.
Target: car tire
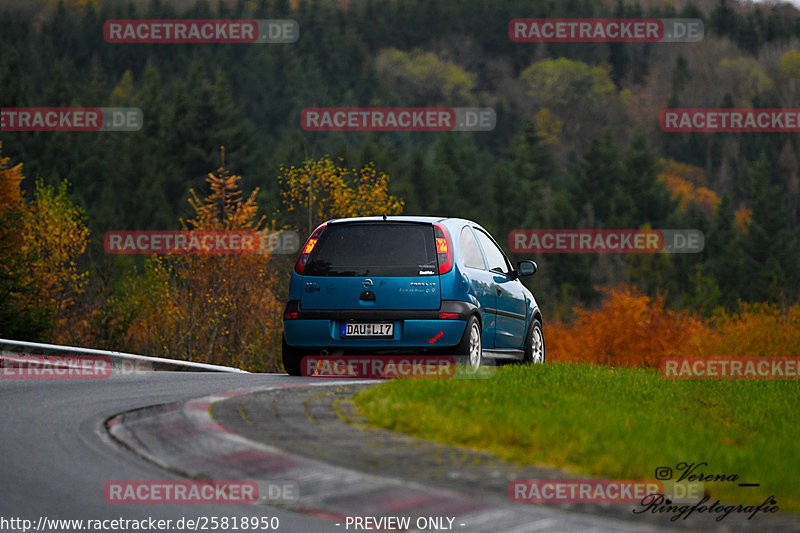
<point x="471" y="345"/>
<point x="292" y="359"/>
<point x="534" y="344"/>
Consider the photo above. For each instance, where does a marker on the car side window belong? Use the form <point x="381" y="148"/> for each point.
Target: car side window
<point x="494" y="256"/>
<point x="470" y="252"/>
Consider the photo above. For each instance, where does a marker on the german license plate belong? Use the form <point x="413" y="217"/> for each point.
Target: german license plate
<point x="368" y="329"/>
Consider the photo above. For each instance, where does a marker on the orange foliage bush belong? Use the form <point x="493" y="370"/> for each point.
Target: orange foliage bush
<point x="631" y="329"/>
<point x="628" y="329"/>
<point x="758" y="330"/>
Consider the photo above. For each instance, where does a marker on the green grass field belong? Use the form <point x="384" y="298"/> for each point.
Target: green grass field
<point x="617" y="423"/>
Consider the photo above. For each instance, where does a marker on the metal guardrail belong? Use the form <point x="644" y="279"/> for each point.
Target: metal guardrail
<point x="119" y="360"/>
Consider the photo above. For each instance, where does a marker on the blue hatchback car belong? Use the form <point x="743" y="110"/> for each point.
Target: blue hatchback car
<point x="409" y="285"/>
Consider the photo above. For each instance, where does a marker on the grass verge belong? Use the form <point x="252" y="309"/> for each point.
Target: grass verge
<point x="616" y="423"/>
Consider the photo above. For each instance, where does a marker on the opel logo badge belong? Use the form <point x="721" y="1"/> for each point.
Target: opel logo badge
<point x="367" y="283"/>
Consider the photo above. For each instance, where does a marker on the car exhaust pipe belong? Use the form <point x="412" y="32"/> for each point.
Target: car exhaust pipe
<point x="323" y="352"/>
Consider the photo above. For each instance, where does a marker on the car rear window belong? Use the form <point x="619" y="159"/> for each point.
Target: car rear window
<point x="380" y="249"/>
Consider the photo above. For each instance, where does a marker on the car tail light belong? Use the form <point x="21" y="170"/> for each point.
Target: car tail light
<point x="308" y="248"/>
<point x="444" y="248"/>
<point x="291" y="315"/>
<point x="448" y="316"/>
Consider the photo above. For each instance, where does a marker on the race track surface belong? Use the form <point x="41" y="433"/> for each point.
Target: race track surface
<point x="62" y="441"/>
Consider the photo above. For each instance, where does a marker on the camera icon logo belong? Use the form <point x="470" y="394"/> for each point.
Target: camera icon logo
<point x="663" y="473"/>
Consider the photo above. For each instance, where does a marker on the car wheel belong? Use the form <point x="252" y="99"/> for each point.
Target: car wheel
<point x="534" y="344"/>
<point x="292" y="359"/>
<point x="471" y="346"/>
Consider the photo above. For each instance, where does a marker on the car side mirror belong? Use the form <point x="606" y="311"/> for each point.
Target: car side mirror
<point x="527" y="268"/>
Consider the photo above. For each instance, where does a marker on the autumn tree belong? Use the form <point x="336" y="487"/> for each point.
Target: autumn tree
<point x="688" y="184"/>
<point x="40" y="242"/>
<point x="583" y="97"/>
<point x="789" y="78"/>
<point x="211" y="308"/>
<point x="320" y="190"/>
<point x="56" y="234"/>
<point x="226" y="309"/>
<point x="17" y="320"/>
<point x="421" y="78"/>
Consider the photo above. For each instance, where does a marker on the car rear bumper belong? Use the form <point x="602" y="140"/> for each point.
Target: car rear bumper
<point x="414" y="330"/>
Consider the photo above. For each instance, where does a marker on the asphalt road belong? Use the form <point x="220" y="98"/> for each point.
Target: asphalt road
<point x="56" y="456"/>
